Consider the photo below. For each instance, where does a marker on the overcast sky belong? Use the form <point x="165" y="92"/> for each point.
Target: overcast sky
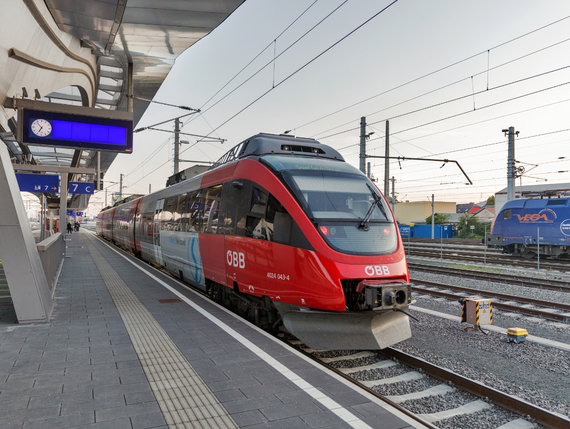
<point x="397" y="64"/>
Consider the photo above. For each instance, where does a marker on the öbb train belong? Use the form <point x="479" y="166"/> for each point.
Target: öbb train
<point x="516" y="229"/>
<point x="285" y="232"/>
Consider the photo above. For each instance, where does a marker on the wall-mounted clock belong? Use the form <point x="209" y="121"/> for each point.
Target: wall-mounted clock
<point x="41" y="127"/>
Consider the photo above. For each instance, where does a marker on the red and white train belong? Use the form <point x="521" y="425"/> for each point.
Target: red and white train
<point x="284" y="231"/>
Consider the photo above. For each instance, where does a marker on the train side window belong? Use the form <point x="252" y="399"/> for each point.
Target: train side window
<point x="195" y="206"/>
<point x="168" y="221"/>
<point x="212" y="209"/>
<point x="507" y="214"/>
<point x="182" y="213"/>
<point x="256" y="225"/>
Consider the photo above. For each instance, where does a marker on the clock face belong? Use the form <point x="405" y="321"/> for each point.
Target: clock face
<point x="41" y="127"/>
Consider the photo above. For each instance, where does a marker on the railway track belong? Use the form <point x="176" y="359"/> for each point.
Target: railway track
<point x="477" y="256"/>
<point x="546" y="309"/>
<point x="365" y="368"/>
<point x="556" y="285"/>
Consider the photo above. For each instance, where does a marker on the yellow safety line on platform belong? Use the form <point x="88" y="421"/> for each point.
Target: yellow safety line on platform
<point x="184" y="398"/>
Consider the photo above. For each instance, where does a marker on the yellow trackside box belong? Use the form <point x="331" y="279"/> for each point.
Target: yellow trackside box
<point x="517" y="335"/>
<point x="477" y="311"/>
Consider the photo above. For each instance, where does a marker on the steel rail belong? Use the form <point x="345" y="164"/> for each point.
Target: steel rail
<point x="502" y="296"/>
<point x="557" y="285"/>
<point x="558" y="317"/>
<point x="493" y="259"/>
<point x="513" y="403"/>
<point x="361" y="386"/>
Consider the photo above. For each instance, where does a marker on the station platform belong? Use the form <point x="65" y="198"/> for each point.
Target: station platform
<point x="130" y="347"/>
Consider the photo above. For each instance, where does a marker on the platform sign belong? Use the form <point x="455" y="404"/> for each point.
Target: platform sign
<point x="38" y="182"/>
<point x="76" y="131"/>
<point x="81" y="188"/>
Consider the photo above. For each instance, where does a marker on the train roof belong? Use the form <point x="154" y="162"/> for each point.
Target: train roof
<point x="265" y="144"/>
<point x="535" y="203"/>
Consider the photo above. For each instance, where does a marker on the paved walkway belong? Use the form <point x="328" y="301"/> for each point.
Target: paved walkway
<point x="128" y="347"/>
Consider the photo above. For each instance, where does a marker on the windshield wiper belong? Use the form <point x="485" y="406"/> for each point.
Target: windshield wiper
<point x="377" y="203"/>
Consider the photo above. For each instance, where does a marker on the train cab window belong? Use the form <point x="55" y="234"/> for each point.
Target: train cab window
<point x="256" y="226"/>
<point x="268" y="219"/>
<point x="211" y="209"/>
<point x="507" y="214"/>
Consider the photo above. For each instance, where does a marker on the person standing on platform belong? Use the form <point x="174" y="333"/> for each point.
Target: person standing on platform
<point x="69" y="228"/>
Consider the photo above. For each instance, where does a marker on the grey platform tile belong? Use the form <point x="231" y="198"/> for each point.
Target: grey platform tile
<point x="56" y="399"/>
<point x="15" y="403"/>
<point x="249" y="418"/>
<point x="290" y="410"/>
<point x="320" y="420"/>
<point x="235" y="374"/>
<point x="370" y="409"/>
<point x="252" y="404"/>
<point x="92" y="405"/>
<point x="14" y="416"/>
<point x="139" y="397"/>
<point x="127" y="411"/>
<point x="230" y="395"/>
<point x="232" y="384"/>
<point x="73" y="420"/>
<point x="146" y="421"/>
<point x="269" y="389"/>
<point x="11" y="425"/>
<point x="292" y="423"/>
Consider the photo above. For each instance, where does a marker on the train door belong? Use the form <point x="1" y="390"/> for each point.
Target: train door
<point x="156" y="231"/>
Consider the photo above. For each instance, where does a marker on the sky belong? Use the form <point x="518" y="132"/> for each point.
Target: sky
<point x="448" y="75"/>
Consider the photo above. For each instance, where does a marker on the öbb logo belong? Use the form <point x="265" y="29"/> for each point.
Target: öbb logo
<point x="235" y="259"/>
<point x="545" y="215"/>
<point x="378" y="270"/>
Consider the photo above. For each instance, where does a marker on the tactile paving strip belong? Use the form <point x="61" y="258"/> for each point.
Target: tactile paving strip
<point x="182" y="395"/>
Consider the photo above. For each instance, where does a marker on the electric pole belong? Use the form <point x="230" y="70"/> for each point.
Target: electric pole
<point x="121" y="187"/>
<point x="511" y="171"/>
<point x="432" y="217"/>
<point x="387" y="161"/>
<point x="176" y="145"/>
<point x="363" y="144"/>
<point x="393" y="194"/>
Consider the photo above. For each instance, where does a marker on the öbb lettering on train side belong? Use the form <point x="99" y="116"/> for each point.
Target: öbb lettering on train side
<point x="235" y="259"/>
<point x="379" y="270"/>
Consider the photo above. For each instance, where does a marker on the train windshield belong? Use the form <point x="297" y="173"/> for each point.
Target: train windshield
<point x="347" y="209"/>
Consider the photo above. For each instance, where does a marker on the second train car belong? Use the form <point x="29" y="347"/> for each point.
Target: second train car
<point x="285" y="232"/>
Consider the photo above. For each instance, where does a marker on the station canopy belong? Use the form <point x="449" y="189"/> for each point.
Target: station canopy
<point x="149" y="34"/>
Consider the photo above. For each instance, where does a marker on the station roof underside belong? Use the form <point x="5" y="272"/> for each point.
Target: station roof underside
<point x="149" y="34"/>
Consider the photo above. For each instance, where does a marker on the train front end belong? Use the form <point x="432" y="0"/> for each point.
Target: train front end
<point x="357" y="247"/>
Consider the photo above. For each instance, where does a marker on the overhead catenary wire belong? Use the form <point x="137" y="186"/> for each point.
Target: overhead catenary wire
<point x="270" y="62"/>
<point x="442" y="69"/>
<point x="302" y="67"/>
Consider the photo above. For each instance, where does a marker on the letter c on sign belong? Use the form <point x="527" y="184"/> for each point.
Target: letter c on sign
<point x="369" y="270"/>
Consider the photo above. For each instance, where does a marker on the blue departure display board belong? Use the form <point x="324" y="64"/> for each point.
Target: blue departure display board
<point x="77" y="131"/>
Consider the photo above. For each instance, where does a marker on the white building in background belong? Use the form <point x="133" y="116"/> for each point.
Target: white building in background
<point x="556" y="190"/>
